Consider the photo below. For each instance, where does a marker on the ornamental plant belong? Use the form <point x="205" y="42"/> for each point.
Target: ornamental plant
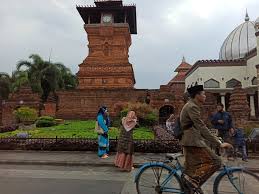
<point x="25" y="114"/>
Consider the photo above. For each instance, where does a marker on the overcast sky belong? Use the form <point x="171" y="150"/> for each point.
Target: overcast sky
<point x="167" y="30"/>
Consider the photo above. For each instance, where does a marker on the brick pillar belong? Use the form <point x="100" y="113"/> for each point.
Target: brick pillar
<point x="239" y="106"/>
<point x="209" y="107"/>
<point x="50" y="106"/>
<point x="1" y="101"/>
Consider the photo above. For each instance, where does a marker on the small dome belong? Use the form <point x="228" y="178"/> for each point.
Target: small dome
<point x="239" y="42"/>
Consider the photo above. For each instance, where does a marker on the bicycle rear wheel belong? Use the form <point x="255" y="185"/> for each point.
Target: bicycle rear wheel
<point x="239" y="181"/>
<point x="152" y="178"/>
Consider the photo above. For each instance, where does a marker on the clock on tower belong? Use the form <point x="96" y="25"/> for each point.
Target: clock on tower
<point x="107" y="18"/>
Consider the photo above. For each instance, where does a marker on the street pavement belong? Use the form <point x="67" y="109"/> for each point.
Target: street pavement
<point x="44" y="179"/>
<point x="66" y="158"/>
<point x="31" y="172"/>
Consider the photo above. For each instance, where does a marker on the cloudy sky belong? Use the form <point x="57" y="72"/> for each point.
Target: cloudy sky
<point x="167" y="30"/>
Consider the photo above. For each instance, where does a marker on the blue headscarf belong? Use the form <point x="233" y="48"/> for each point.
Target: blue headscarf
<point x="102" y="111"/>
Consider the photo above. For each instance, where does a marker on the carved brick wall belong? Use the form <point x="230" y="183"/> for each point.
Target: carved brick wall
<point x="239" y="107"/>
<point x="84" y="104"/>
<point x="23" y="97"/>
<point x="107" y="65"/>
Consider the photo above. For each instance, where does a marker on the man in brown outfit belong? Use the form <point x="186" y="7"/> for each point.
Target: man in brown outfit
<point x="200" y="161"/>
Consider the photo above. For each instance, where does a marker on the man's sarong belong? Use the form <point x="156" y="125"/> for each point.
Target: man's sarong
<point x="200" y="163"/>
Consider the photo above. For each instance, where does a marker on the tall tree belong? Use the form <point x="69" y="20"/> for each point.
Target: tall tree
<point x="34" y="69"/>
<point x="18" y="79"/>
<point x="5" y="85"/>
<point x="45" y="76"/>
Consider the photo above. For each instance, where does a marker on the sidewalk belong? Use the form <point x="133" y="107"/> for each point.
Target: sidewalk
<point x="64" y="158"/>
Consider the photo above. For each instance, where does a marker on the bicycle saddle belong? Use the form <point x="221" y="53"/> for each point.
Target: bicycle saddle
<point x="173" y="156"/>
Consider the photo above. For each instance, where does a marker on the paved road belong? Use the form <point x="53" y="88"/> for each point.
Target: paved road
<point x="60" y="180"/>
<point x="39" y="179"/>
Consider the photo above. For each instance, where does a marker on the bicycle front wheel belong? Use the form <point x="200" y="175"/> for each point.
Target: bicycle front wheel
<point x="158" y="179"/>
<point x="239" y="181"/>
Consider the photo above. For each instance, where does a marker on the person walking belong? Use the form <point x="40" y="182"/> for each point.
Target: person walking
<point x="222" y="121"/>
<point x="200" y="161"/>
<point x="125" y="147"/>
<point x="103" y="121"/>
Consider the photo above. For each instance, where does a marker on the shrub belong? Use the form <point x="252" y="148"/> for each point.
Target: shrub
<point x="8" y="128"/>
<point x="118" y="107"/>
<point x="166" y="146"/>
<point x="116" y="123"/>
<point x="147" y="116"/>
<point x="25" y="114"/>
<point x="47" y="118"/>
<point x="124" y="112"/>
<point x="45" y="121"/>
<point x="150" y="119"/>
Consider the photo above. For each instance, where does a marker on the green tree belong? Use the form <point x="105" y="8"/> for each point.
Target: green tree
<point x="5" y="85"/>
<point x="18" y="79"/>
<point x="45" y="76"/>
<point x="34" y="68"/>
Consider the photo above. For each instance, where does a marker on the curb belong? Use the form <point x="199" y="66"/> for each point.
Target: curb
<point x="61" y="163"/>
<point x="75" y="163"/>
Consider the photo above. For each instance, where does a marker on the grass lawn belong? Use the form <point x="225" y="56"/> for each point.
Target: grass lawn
<point x="78" y="129"/>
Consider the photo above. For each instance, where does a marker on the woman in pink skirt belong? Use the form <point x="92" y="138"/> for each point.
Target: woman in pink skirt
<point x="125" y="147"/>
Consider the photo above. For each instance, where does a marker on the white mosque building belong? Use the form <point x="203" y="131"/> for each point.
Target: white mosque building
<point x="238" y="58"/>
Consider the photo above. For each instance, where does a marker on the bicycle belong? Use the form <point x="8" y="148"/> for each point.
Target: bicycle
<point x="167" y="178"/>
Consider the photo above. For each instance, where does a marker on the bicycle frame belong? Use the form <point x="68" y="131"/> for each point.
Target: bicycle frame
<point x="228" y="170"/>
<point x="177" y="170"/>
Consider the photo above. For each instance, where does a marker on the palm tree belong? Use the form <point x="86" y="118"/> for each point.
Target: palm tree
<point x="46" y="77"/>
<point x="12" y="83"/>
<point x="34" y="69"/>
<point x="5" y="85"/>
<point x="68" y="81"/>
<point x="18" y="79"/>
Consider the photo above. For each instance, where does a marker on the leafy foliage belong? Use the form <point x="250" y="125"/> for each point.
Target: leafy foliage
<point x="45" y="76"/>
<point x="45" y="121"/>
<point x="24" y="114"/>
<point x="5" y="85"/>
<point x="79" y="129"/>
<point x="147" y="116"/>
<point x="8" y="128"/>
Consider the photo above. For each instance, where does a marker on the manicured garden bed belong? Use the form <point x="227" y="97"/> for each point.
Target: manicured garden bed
<point x="77" y="129"/>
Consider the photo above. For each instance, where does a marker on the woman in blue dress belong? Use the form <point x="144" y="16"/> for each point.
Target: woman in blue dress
<point x="103" y="139"/>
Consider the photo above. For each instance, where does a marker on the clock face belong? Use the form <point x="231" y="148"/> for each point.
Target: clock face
<point x="107" y="18"/>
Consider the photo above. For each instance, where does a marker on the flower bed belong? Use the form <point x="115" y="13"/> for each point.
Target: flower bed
<point x="83" y="144"/>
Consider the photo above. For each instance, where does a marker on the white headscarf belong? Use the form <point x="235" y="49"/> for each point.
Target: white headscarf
<point x="130" y="121"/>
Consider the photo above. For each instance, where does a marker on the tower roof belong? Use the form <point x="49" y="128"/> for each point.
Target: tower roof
<point x="108" y="3"/>
<point x="184" y="66"/>
<point x="181" y="71"/>
<point x="115" y="7"/>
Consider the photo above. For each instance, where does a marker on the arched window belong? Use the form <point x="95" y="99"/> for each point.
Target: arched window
<point x="232" y="83"/>
<point x="211" y="83"/>
<point x="254" y="81"/>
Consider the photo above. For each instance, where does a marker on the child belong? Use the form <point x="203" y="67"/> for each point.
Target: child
<point x="170" y="123"/>
<point x="240" y="142"/>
